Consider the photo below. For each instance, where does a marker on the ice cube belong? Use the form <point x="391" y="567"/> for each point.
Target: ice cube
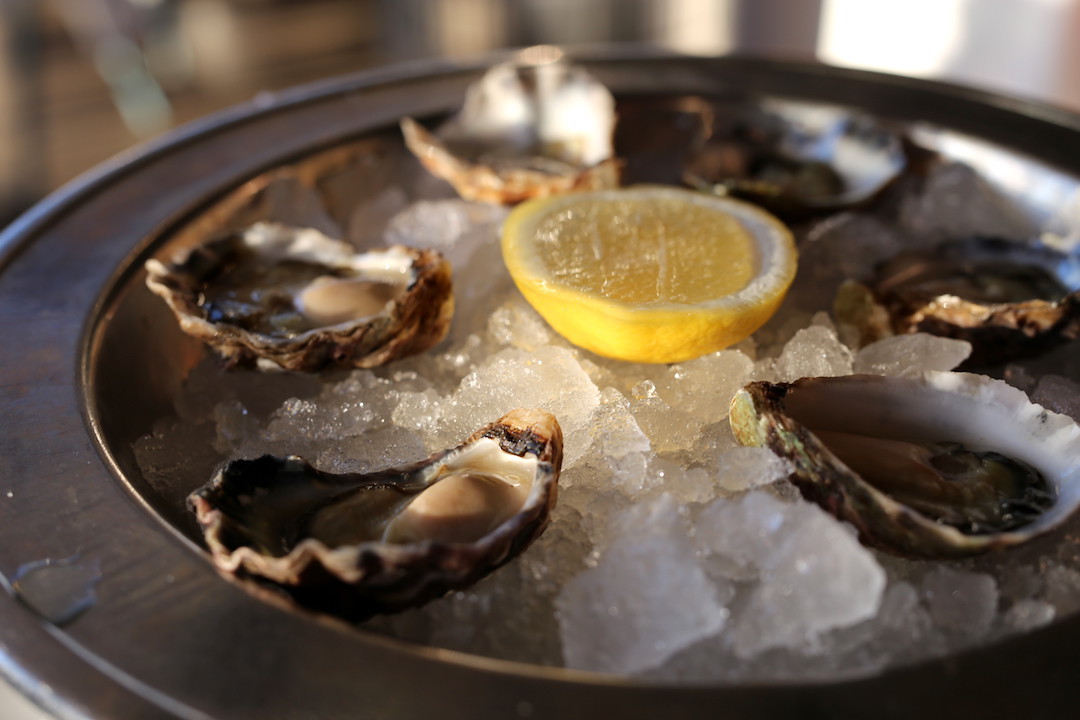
<point x="668" y="428"/>
<point x="516" y="324"/>
<point x="815" y="351"/>
<point x="1062" y="589"/>
<point x="961" y="602"/>
<point x="956" y="201"/>
<point x="550" y="379"/>
<point x="622" y="616"/>
<point x="703" y="387"/>
<point x="743" y="468"/>
<point x="456" y="228"/>
<point x="812" y="574"/>
<point x="912" y="353"/>
<point x="1028" y="615"/>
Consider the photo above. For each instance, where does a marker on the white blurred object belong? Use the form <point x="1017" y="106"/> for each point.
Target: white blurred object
<point x="1021" y="47"/>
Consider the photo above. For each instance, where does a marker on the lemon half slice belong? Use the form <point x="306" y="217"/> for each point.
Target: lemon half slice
<point x="649" y="273"/>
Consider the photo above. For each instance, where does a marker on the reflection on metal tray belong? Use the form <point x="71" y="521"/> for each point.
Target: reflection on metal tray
<point x="92" y="361"/>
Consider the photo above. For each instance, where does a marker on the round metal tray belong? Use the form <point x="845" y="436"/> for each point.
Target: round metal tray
<point x="111" y="611"/>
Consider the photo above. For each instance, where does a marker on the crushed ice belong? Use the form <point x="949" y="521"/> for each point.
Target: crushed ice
<point x="673" y="552"/>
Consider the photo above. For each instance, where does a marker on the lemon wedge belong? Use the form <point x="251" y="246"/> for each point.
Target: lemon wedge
<point x="649" y="273"/>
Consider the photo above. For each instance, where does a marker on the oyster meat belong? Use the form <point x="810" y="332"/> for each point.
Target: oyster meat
<point x="533" y="127"/>
<point x="937" y="465"/>
<point x="356" y="544"/>
<point x="288" y="298"/>
<point x="795" y="159"/>
<point x="1008" y="299"/>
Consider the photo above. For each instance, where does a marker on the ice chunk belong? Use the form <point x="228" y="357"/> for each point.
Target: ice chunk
<point x="1029" y="614"/>
<point x="351" y="407"/>
<point x="374" y="450"/>
<point x="236" y="427"/>
<point x="961" y="602"/>
<point x="646" y="599"/>
<point x="956" y="202"/>
<point x="812" y="573"/>
<point x="515" y="323"/>
<point x="668" y="428"/>
<point x="1063" y="589"/>
<point x="916" y="352"/>
<point x="815" y="351"/>
<point x="550" y="379"/>
<point x="703" y="387"/>
<point x="687" y="485"/>
<point x="744" y="468"/>
<point x="455" y="228"/>
<point x="1019" y="581"/>
<point x="615" y="451"/>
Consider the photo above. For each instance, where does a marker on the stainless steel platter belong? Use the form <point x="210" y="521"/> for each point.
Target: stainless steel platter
<point x="112" y="608"/>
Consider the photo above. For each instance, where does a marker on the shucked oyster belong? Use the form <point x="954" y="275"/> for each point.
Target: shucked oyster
<point x="356" y="544"/>
<point x="795" y="159"/>
<point x="938" y="465"/>
<point x="294" y="299"/>
<point x="1008" y="299"/>
<point x="529" y="128"/>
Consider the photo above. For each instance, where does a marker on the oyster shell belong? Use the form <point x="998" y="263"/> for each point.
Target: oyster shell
<point x="532" y="127"/>
<point x="1008" y="299"/>
<point x="795" y="159"/>
<point x="356" y="544"/>
<point x="958" y="463"/>
<point x="288" y="298"/>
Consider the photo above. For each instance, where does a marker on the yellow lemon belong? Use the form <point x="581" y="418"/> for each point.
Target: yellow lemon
<point x="649" y="273"/>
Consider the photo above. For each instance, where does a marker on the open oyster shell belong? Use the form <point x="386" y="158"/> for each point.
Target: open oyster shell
<point x="795" y="159"/>
<point x="1008" y="299"/>
<point x="290" y="298"/>
<point x="536" y="126"/>
<point x="981" y="495"/>
<point x="356" y="544"/>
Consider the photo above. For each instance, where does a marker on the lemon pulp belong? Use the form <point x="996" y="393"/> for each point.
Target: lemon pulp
<point x="649" y="274"/>
<point x="646" y="252"/>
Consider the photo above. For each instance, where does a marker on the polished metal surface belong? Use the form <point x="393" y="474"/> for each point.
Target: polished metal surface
<point x="89" y="361"/>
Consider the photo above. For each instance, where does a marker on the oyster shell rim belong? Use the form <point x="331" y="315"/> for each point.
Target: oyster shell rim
<point x="481" y="183"/>
<point x="998" y="331"/>
<point x="386" y="577"/>
<point x="793" y="206"/>
<point x="757" y="418"/>
<point x="416" y="320"/>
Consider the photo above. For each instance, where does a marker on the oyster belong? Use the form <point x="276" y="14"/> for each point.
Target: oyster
<point x="355" y="544"/>
<point x="937" y="465"/>
<point x="529" y="128"/>
<point x="1008" y="299"/>
<point x="294" y="299"/>
<point x="795" y="159"/>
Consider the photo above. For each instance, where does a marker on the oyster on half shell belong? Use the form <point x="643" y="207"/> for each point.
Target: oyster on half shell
<point x="356" y="544"/>
<point x="937" y="465"/>
<point x="793" y="158"/>
<point x="289" y="298"/>
<point x="1008" y="299"/>
<point x="533" y="127"/>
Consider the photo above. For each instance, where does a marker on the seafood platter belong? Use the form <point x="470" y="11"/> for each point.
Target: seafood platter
<point x="613" y="381"/>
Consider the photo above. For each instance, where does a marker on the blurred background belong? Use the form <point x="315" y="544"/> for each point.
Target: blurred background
<point x="81" y="80"/>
